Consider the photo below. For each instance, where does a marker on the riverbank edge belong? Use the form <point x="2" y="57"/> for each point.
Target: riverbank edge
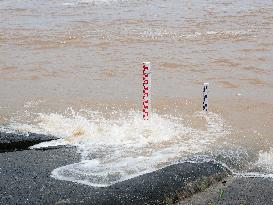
<point x="29" y="171"/>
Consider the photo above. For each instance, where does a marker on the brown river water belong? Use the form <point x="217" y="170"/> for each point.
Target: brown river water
<point x="72" y="68"/>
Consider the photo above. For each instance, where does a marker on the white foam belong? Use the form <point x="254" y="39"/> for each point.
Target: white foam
<point x="159" y="34"/>
<point x="125" y="145"/>
<point x="72" y="3"/>
<point x="265" y="160"/>
<point x="96" y="1"/>
<point x="264" y="164"/>
<point x="53" y="143"/>
<point x="68" y="4"/>
<point x="254" y="175"/>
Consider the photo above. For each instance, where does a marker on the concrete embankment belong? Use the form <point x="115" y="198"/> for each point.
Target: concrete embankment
<point x="18" y="141"/>
<point x="25" y="179"/>
<point x="235" y="191"/>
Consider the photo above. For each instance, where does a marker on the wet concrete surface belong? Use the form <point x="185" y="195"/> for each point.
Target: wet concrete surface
<point x="21" y="141"/>
<point x="25" y="179"/>
<point x="236" y="191"/>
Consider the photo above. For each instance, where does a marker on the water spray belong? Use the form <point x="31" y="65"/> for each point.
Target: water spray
<point x="146" y="98"/>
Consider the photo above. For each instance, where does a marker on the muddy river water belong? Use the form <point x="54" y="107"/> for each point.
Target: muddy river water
<point x="72" y="68"/>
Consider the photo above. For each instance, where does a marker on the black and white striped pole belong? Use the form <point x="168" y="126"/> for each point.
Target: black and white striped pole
<point x="205" y="97"/>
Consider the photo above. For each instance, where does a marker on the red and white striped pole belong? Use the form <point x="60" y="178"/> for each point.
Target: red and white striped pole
<point x="146" y="98"/>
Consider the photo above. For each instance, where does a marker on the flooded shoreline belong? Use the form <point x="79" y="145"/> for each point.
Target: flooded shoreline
<point x="112" y="133"/>
<point x="73" y="68"/>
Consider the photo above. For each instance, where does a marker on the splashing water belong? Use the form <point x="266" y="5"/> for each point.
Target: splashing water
<point x="124" y="146"/>
<point x="266" y="160"/>
<point x="264" y="164"/>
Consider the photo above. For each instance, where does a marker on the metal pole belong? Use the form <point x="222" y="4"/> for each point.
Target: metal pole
<point x="205" y="97"/>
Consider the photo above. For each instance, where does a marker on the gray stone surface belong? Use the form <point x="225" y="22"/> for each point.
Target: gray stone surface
<point x="16" y="141"/>
<point x="25" y="179"/>
<point x="236" y="191"/>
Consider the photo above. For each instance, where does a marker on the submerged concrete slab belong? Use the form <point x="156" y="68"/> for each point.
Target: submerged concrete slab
<point x="18" y="141"/>
<point x="25" y="179"/>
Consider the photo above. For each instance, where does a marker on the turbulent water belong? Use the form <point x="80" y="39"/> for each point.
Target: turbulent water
<point x="72" y="68"/>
